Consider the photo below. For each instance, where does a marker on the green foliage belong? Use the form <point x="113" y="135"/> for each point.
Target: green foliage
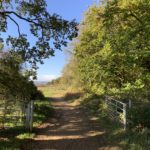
<point x="112" y="55"/>
<point x="42" y="111"/>
<point x="132" y="139"/>
<point x="71" y="96"/>
<point x="70" y="76"/>
<point x="139" y="116"/>
<point x="113" y="49"/>
<point x="13" y="84"/>
<point x="12" y="139"/>
<point x="103" y="109"/>
<point x="25" y="136"/>
<point x="91" y="103"/>
<point x="54" y="82"/>
<point x="44" y="27"/>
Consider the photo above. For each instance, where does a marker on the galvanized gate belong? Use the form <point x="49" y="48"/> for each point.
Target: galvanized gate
<point x="117" y="110"/>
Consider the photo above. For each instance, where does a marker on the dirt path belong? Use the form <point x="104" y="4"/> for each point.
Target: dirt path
<point x="68" y="130"/>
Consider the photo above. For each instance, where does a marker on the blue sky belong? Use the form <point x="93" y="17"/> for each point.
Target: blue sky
<point x="68" y="9"/>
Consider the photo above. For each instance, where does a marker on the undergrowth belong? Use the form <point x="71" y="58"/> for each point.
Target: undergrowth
<point x="132" y="139"/>
<point x="14" y="138"/>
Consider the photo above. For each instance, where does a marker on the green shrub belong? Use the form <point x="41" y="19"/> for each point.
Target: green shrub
<point x="92" y="103"/>
<point x="72" y="95"/>
<point x="139" y="116"/>
<point x="42" y="110"/>
<point x="103" y="109"/>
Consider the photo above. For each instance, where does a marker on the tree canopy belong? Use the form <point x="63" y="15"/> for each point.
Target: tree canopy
<point x="13" y="84"/>
<point x="45" y="27"/>
<point x="113" y="49"/>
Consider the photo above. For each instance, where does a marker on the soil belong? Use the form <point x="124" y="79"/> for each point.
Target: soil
<point x="69" y="129"/>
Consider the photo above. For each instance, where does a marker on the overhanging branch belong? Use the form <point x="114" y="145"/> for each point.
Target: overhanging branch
<point x="133" y="15"/>
<point x="5" y="13"/>
<point x="15" y="23"/>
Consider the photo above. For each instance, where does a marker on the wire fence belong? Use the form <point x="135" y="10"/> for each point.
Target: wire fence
<point x="16" y="114"/>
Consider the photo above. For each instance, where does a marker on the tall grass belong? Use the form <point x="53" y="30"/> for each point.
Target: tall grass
<point x="116" y="136"/>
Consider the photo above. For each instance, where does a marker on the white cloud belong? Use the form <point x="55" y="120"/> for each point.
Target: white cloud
<point x="46" y="77"/>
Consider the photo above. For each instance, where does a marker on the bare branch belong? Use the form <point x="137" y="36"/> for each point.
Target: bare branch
<point x="133" y="15"/>
<point x="28" y="20"/>
<point x="15" y="23"/>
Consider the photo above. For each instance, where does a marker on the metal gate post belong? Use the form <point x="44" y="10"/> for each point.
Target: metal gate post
<point x="125" y="116"/>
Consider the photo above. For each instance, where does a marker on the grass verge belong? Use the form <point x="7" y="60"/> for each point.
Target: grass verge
<point x="13" y="138"/>
<point x="116" y="137"/>
<point x="42" y="110"/>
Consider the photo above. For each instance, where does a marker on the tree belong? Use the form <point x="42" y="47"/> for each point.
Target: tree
<point x="43" y="26"/>
<point x="70" y="76"/>
<point x="113" y="50"/>
<point x="13" y="85"/>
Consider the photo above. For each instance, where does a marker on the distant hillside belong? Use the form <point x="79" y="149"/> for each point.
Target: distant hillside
<point x="40" y="83"/>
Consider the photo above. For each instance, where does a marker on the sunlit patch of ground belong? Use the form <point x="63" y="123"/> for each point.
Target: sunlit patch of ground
<point x="70" y="129"/>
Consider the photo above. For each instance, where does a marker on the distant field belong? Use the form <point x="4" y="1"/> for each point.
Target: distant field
<point x="50" y="91"/>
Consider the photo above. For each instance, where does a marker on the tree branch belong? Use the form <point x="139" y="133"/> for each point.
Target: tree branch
<point x="15" y="23"/>
<point x="133" y="15"/>
<point x="28" y="20"/>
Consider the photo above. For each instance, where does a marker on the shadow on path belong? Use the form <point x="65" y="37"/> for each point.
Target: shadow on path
<point x="69" y="129"/>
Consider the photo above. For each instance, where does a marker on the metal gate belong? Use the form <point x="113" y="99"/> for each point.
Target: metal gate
<point x="117" y="110"/>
